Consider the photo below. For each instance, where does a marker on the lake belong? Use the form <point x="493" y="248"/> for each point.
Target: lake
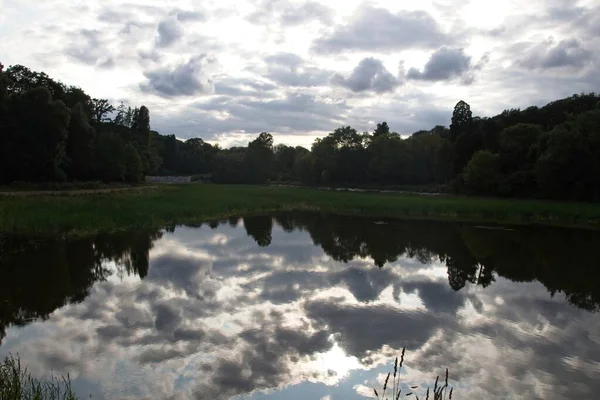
<point x="306" y="305"/>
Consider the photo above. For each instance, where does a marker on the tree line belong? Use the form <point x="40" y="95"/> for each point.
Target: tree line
<point x="473" y="256"/>
<point x="61" y="271"/>
<point x="53" y="132"/>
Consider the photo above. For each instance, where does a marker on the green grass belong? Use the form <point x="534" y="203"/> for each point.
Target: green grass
<point x="18" y="384"/>
<point x="176" y="204"/>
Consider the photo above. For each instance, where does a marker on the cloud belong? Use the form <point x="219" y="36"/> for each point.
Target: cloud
<point x="89" y="46"/>
<point x="286" y="13"/>
<point x="195" y="16"/>
<point x="355" y="326"/>
<point x="169" y="32"/>
<point x="288" y="69"/>
<point x="307" y="11"/>
<point x="377" y="29"/>
<point x="185" y="79"/>
<point x="549" y="55"/>
<point x="287" y="113"/>
<point x="447" y="64"/>
<point x="369" y="75"/>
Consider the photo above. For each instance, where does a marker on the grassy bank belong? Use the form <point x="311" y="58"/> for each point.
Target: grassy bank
<point x="176" y="204"/>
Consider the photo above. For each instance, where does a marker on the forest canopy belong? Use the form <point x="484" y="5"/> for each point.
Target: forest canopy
<point x="53" y="132"/>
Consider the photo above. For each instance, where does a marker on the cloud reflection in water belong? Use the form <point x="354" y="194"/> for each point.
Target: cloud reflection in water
<point x="309" y="310"/>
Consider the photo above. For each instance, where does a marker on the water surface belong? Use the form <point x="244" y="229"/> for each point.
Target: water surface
<point x="307" y="306"/>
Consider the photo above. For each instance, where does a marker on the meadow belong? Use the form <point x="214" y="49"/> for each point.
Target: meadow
<point x="69" y="214"/>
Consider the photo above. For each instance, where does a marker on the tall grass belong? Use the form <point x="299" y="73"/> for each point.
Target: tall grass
<point x="177" y="204"/>
<point x="438" y="392"/>
<point x="16" y="383"/>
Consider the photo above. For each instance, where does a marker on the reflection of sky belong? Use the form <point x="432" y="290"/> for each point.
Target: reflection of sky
<point x="217" y="317"/>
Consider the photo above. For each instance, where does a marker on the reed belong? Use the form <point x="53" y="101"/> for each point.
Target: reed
<point x="440" y="392"/>
<point x="16" y="383"/>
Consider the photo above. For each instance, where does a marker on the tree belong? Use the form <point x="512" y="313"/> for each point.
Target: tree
<point x="3" y="85"/>
<point x="230" y="166"/>
<point x="141" y="139"/>
<point x="382" y="129"/>
<point x="517" y="155"/>
<point x="442" y="163"/>
<point x="100" y="109"/>
<point x="516" y="144"/>
<point x="305" y="169"/>
<point x="388" y="159"/>
<point x="110" y="157"/>
<point x="80" y="145"/>
<point x="462" y="118"/>
<point x="260" y="229"/>
<point x="38" y="136"/>
<point x="259" y="158"/>
<point x="480" y="174"/>
<point x="568" y="166"/>
<point x="74" y="95"/>
<point x="21" y="80"/>
<point x="283" y="162"/>
<point x="140" y="130"/>
<point x="132" y="164"/>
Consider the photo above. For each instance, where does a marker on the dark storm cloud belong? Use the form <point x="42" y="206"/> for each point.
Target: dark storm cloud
<point x="377" y="29"/>
<point x="369" y="75"/>
<point x="289" y="14"/>
<point x="548" y="55"/>
<point x="288" y="69"/>
<point x="186" y="79"/>
<point x="169" y="32"/>
<point x="446" y="64"/>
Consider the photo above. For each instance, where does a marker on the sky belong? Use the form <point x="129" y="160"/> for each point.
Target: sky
<point x="226" y="70"/>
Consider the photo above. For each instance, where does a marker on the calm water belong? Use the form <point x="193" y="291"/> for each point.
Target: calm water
<point x="307" y="306"/>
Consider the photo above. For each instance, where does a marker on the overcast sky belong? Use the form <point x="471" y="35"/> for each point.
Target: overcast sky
<point x="224" y="70"/>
